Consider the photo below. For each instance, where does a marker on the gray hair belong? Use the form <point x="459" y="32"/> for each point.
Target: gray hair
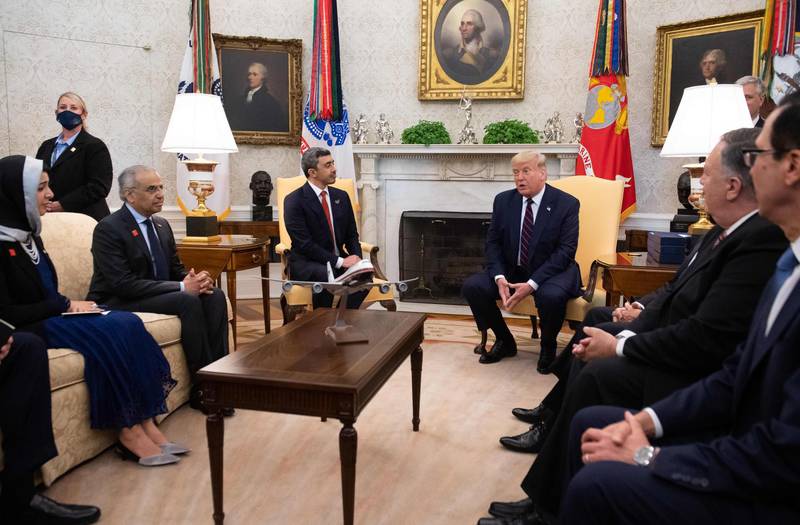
<point x="261" y="67"/>
<point x="733" y="158"/>
<point x="718" y="54"/>
<point x="750" y="79"/>
<point x="477" y="19"/>
<point x="311" y="157"/>
<point x="127" y="179"/>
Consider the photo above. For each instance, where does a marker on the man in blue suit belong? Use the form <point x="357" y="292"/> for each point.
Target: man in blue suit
<point x="320" y="221"/>
<point x="530" y="249"/>
<point x="750" y="472"/>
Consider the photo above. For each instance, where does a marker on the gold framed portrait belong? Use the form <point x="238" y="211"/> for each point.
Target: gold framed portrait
<point x="720" y="50"/>
<point x="472" y="45"/>
<point x="261" y="88"/>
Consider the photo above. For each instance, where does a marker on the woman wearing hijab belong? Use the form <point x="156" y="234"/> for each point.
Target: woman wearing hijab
<point x="80" y="165"/>
<point x="126" y="372"/>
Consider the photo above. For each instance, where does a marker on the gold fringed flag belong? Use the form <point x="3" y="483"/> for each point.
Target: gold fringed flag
<point x="605" y="148"/>
<point x="780" y="48"/>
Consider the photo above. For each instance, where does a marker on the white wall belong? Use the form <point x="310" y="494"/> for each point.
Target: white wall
<point x="123" y="56"/>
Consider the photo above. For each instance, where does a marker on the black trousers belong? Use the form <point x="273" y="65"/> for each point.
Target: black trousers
<point x="25" y="418"/>
<point x="610" y="492"/>
<point x="481" y="293"/>
<point x="204" y="322"/>
<point x="611" y="381"/>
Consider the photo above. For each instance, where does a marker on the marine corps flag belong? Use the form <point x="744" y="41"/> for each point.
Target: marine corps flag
<point x="326" y="121"/>
<point x="605" y="148"/>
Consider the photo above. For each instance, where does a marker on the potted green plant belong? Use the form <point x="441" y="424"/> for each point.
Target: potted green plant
<point x="426" y="132"/>
<point x="510" y="131"/>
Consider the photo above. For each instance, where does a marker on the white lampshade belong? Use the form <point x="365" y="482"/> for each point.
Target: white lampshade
<point x="198" y="125"/>
<point x="704" y="115"/>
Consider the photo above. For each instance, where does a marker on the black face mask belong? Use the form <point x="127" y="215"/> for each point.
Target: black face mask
<point x="69" y="120"/>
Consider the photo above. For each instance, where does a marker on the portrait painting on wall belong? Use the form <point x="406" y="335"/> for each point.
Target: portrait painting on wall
<point x="715" y="51"/>
<point x="472" y="45"/>
<point x="261" y="88"/>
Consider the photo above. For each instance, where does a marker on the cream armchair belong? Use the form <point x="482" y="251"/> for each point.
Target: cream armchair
<point x="298" y="298"/>
<point x="598" y="221"/>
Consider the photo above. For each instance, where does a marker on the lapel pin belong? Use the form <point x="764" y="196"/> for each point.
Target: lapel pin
<point x="548" y="208"/>
<point x="135" y="233"/>
<point x="336" y="201"/>
<point x="12" y="252"/>
<point x="72" y="149"/>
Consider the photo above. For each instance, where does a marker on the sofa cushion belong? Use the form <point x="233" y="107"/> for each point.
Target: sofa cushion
<point x="165" y="329"/>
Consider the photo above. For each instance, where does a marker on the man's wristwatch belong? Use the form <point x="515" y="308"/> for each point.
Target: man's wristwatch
<point x="644" y="455"/>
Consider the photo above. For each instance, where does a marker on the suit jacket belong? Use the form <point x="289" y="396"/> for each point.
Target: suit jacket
<point x="698" y="319"/>
<point x="122" y="264"/>
<point x="263" y="113"/>
<point x="81" y="177"/>
<point x="553" y="243"/>
<point x="755" y="398"/>
<point x="310" y="233"/>
<point x="23" y="299"/>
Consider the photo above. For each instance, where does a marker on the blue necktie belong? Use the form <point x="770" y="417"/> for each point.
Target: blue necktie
<point x="783" y="270"/>
<point x="161" y="269"/>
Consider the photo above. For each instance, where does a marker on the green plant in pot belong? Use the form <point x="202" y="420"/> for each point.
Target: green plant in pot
<point x="510" y="131"/>
<point x="426" y="132"/>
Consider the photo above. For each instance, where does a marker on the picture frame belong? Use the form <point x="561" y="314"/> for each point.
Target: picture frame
<point x="681" y="50"/>
<point x="261" y="88"/>
<point x="483" y="54"/>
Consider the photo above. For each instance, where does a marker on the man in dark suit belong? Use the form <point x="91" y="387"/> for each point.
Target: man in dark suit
<point x="750" y="471"/>
<point x="682" y="335"/>
<point x="81" y="175"/>
<point x="25" y="421"/>
<point x="322" y="226"/>
<point x="530" y="249"/>
<point x="754" y="94"/>
<point x="256" y="109"/>
<point x="136" y="268"/>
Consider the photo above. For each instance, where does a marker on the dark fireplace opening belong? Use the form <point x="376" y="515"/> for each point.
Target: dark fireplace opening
<point x="442" y="249"/>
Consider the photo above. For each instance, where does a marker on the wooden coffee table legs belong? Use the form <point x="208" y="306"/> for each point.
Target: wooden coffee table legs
<point x="215" y="432"/>
<point x="348" y="448"/>
<point x="416" y="377"/>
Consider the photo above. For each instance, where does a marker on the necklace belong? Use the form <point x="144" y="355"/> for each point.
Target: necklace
<point x="31" y="250"/>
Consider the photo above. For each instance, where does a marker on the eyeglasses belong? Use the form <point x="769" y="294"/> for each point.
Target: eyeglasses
<point x="750" y="155"/>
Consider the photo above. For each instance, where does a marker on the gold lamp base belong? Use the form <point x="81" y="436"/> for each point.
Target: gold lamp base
<point x="201" y="223"/>
<point x="703" y="225"/>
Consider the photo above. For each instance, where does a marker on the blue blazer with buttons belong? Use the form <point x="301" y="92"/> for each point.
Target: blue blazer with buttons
<point x="553" y="244"/>
<point x="755" y="400"/>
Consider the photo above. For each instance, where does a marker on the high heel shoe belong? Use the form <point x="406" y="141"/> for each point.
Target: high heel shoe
<point x="174" y="448"/>
<point x="149" y="461"/>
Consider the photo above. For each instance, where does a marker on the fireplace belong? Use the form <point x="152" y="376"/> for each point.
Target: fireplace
<point x="442" y="249"/>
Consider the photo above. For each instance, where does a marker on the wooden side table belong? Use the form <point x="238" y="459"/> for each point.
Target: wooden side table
<point x="627" y="274"/>
<point x="254" y="228"/>
<point x="232" y="253"/>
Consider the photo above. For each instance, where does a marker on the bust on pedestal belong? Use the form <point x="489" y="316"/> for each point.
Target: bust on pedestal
<point x="687" y="215"/>
<point x="261" y="184"/>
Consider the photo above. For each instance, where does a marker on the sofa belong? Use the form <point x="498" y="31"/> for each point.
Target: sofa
<point x="68" y="239"/>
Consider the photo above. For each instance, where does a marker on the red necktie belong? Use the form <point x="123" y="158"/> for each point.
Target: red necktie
<point x="525" y="234"/>
<point x="327" y="212"/>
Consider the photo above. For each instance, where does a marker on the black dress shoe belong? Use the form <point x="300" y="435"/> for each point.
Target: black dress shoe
<point x="546" y="358"/>
<point x="530" y="441"/>
<point x="43" y="510"/>
<point x="511" y="509"/>
<point x="524" y="519"/>
<point x="500" y="349"/>
<point x="532" y="416"/>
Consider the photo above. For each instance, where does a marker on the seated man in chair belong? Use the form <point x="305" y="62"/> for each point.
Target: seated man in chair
<point x="530" y="249"/>
<point x="320" y="221"/>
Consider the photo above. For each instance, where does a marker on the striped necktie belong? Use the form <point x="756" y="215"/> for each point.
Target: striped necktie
<point x="525" y="234"/>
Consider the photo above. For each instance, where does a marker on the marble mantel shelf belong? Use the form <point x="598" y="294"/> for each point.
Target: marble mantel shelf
<point x="461" y="149"/>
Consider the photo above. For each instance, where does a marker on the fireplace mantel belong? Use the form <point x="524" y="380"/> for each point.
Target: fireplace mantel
<point x="393" y="178"/>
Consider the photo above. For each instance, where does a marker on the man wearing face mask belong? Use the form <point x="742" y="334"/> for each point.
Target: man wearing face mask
<point x="80" y="165"/>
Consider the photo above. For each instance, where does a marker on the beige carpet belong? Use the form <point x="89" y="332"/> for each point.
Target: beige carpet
<point x="282" y="469"/>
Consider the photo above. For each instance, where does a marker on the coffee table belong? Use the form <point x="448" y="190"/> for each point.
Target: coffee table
<point x="297" y="370"/>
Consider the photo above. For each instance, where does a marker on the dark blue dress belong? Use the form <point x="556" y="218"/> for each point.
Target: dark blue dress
<point x="126" y="372"/>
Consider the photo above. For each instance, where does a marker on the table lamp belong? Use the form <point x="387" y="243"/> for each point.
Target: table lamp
<point x="704" y="115"/>
<point x="198" y="125"/>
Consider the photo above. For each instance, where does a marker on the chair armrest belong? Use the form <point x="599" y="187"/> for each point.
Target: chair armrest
<point x="372" y="250"/>
<point x="280" y="248"/>
<point x="594" y="272"/>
